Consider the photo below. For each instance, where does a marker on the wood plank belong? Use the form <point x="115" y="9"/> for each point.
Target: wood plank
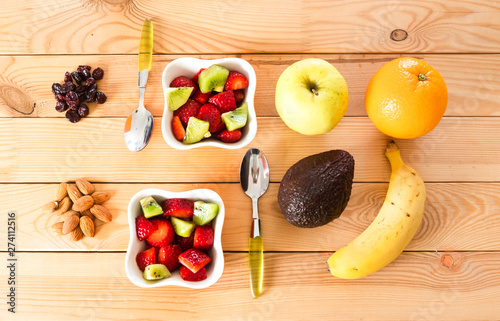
<point x="458" y="217"/>
<point x="25" y="82"/>
<point x="53" y="150"/>
<point x="297" y="286"/>
<point x="65" y="26"/>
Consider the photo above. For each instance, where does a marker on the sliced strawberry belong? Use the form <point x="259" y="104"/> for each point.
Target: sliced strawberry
<point x="183" y="81"/>
<point x="189" y="109"/>
<point x="178" y="129"/>
<point x="195" y="77"/>
<point x="187" y="275"/>
<point x="169" y="256"/>
<point x="201" y="97"/>
<point x="239" y="96"/>
<point x="194" y="259"/>
<point x="144" y="227"/>
<point x="224" y="101"/>
<point x="163" y="235"/>
<point x="146" y="258"/>
<point x="185" y="242"/>
<point x="211" y="114"/>
<point x="178" y="207"/>
<point x="235" y="81"/>
<point x="229" y="136"/>
<point x="203" y="238"/>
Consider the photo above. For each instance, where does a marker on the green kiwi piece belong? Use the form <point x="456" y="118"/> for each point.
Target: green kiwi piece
<point x="213" y="79"/>
<point x="177" y="96"/>
<point x="237" y="118"/>
<point x="150" y="207"/>
<point x="156" y="272"/>
<point x="181" y="227"/>
<point x="196" y="130"/>
<point x="204" y="212"/>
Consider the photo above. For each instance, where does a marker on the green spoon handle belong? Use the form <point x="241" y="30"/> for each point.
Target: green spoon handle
<point x="256" y="265"/>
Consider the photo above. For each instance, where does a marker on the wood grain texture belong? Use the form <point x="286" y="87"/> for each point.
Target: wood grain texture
<point x="25" y="82"/>
<point x="297" y="286"/>
<point x="457" y="217"/>
<point x="53" y="150"/>
<point x="113" y="26"/>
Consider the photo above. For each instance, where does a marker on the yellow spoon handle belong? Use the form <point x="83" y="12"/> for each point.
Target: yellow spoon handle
<point x="256" y="265"/>
<point x="146" y="45"/>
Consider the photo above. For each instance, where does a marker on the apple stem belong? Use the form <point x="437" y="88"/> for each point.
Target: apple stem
<point x="315" y="92"/>
<point x="422" y="77"/>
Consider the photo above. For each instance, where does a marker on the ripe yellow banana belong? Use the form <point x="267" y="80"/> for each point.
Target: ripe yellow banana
<point x="393" y="228"/>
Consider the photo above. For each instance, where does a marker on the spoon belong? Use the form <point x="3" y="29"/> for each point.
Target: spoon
<point x="254" y="178"/>
<point x="139" y="124"/>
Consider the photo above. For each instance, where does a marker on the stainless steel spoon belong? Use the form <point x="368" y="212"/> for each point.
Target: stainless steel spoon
<point x="254" y="178"/>
<point x="139" y="124"/>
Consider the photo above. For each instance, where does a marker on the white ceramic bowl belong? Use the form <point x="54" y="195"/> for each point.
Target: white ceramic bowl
<point x="214" y="268"/>
<point x="188" y="66"/>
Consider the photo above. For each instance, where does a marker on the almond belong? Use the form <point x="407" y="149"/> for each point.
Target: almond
<point x="61" y="191"/>
<point x="87" y="226"/>
<point x="100" y="197"/>
<point x="84" y="186"/>
<point x="101" y="213"/>
<point x="87" y="213"/>
<point x="76" y="235"/>
<point x="57" y="228"/>
<point x="73" y="193"/>
<point x="64" y="206"/>
<point x="83" y="203"/>
<point x="70" y="224"/>
<point x="64" y="217"/>
<point x="50" y="207"/>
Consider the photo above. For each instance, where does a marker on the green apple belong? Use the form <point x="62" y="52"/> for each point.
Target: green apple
<point x="311" y="96"/>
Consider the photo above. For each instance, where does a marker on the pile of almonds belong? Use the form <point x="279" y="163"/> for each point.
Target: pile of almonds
<point x="76" y="207"/>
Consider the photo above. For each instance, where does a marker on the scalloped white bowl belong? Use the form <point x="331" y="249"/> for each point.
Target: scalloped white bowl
<point x="214" y="268"/>
<point x="188" y="66"/>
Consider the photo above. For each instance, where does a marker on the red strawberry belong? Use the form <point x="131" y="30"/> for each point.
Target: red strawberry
<point x="239" y="96"/>
<point x="195" y="77"/>
<point x="178" y="129"/>
<point x="201" y="97"/>
<point x="211" y="114"/>
<point x="203" y="238"/>
<point x="189" y="109"/>
<point x="183" y="81"/>
<point x="169" y="256"/>
<point x="146" y="258"/>
<point x="178" y="207"/>
<point x="163" y="235"/>
<point x="185" y="242"/>
<point x="229" y="136"/>
<point x="144" y="227"/>
<point x="224" y="101"/>
<point x="194" y="259"/>
<point x="187" y="275"/>
<point x="235" y="81"/>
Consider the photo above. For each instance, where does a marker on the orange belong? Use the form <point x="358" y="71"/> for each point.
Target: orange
<point x="406" y="98"/>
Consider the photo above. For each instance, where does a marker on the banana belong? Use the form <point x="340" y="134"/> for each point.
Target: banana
<point x="393" y="228"/>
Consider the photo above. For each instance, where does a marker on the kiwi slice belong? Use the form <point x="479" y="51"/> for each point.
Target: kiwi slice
<point x="150" y="207"/>
<point x="237" y="118"/>
<point x="213" y="79"/>
<point x="181" y="227"/>
<point x="204" y="212"/>
<point x="156" y="272"/>
<point x="177" y="96"/>
<point x="196" y="130"/>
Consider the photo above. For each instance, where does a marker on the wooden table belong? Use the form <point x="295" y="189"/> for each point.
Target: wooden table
<point x="450" y="271"/>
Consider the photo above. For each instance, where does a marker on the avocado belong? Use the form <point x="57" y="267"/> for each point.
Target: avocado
<point x="316" y="189"/>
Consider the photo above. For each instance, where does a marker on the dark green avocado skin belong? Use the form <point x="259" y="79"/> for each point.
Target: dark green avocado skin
<point x="316" y="189"/>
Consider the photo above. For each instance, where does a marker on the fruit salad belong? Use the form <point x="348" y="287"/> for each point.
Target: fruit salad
<point x="178" y="234"/>
<point x="209" y="104"/>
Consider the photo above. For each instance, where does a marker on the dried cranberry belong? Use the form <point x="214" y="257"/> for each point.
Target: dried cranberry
<point x="56" y="88"/>
<point x="81" y="97"/>
<point x="94" y="87"/>
<point x="67" y="87"/>
<point x="72" y="96"/>
<point x="72" y="105"/>
<point x="90" y="98"/>
<point x="100" y="98"/>
<point x="72" y="116"/>
<point x="83" y="110"/>
<point x="61" y="106"/>
<point x="86" y="73"/>
<point x="60" y="97"/>
<point x="98" y="73"/>
<point x="90" y="82"/>
<point x="81" y="89"/>
<point x="67" y="77"/>
<point x="77" y="77"/>
<point x="82" y="67"/>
